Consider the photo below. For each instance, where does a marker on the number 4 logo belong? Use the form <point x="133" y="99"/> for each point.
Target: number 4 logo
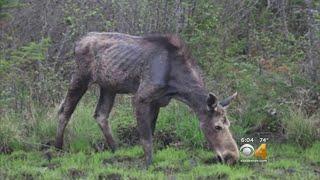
<point x="261" y="152"/>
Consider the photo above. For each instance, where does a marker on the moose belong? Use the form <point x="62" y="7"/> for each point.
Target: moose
<point x="154" y="69"/>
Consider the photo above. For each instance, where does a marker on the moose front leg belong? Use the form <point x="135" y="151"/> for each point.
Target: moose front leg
<point x="145" y="114"/>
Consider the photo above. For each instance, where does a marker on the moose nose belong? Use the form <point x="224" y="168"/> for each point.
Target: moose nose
<point x="230" y="158"/>
<point x="219" y="158"/>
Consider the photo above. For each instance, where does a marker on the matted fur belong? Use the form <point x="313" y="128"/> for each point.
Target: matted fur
<point x="173" y="43"/>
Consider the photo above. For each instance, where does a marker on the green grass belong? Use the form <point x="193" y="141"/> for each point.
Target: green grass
<point x="301" y="129"/>
<point x="312" y="154"/>
<point x="168" y="163"/>
<point x="187" y="160"/>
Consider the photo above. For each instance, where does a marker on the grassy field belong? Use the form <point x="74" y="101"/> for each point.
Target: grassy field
<point x="284" y="162"/>
<point x="266" y="51"/>
<point x="180" y="149"/>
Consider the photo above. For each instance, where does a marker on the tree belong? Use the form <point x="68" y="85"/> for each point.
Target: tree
<point x="313" y="49"/>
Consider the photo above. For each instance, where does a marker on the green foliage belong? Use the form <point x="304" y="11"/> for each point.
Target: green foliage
<point x="175" y="155"/>
<point x="10" y="132"/>
<point x="288" y="161"/>
<point x="28" y="79"/>
<point x="180" y="119"/>
<point x="24" y="57"/>
<point x="260" y="62"/>
<point x="312" y="153"/>
<point x="248" y="47"/>
<point x="168" y="163"/>
<point x="288" y="151"/>
<point x="300" y="128"/>
<point x="5" y="6"/>
<point x="285" y="164"/>
<point x="82" y="131"/>
<point x="22" y="133"/>
<point x="2" y="2"/>
<point x="132" y="152"/>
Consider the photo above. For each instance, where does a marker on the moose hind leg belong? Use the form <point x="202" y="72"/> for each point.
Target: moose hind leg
<point x="78" y="87"/>
<point x="101" y="115"/>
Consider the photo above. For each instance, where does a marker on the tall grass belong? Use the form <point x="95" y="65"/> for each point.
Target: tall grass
<point x="300" y="128"/>
<point x="27" y="129"/>
<point x="31" y="131"/>
<point x="10" y="132"/>
<point x="177" y="120"/>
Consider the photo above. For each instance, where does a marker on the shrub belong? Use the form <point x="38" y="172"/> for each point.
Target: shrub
<point x="300" y="129"/>
<point x="312" y="154"/>
<point x="10" y="133"/>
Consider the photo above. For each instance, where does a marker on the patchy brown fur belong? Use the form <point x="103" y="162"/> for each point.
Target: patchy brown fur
<point x="173" y="43"/>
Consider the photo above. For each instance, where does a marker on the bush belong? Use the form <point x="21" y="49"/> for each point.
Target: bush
<point x="10" y="132"/>
<point x="300" y="129"/>
<point x="312" y="154"/>
<point x="23" y="130"/>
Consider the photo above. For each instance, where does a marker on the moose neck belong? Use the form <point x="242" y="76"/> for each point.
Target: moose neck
<point x="189" y="85"/>
<point x="194" y="96"/>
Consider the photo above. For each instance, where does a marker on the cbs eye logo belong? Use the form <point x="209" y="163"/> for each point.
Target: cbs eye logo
<point x="247" y="150"/>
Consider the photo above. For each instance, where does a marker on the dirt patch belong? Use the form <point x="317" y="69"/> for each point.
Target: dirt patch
<point x="128" y="135"/>
<point x="125" y="159"/>
<point x="99" y="146"/>
<point x="27" y="176"/>
<point x="75" y="173"/>
<point x="316" y="168"/>
<point x="124" y="162"/>
<point x="3" y="175"/>
<point x="5" y="149"/>
<point x="113" y="176"/>
<point x="316" y="164"/>
<point x="108" y="161"/>
<point x="118" y="159"/>
<point x="113" y="160"/>
<point x="45" y="145"/>
<point x="290" y="170"/>
<point x="168" y="170"/>
<point x="214" y="160"/>
<point x="48" y="155"/>
<point x="218" y="176"/>
<point x="51" y="166"/>
<point x="165" y="138"/>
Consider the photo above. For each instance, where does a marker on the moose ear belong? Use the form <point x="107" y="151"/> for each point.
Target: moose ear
<point x="225" y="103"/>
<point x="212" y="101"/>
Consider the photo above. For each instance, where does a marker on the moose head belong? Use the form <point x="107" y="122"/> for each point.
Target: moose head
<point x="215" y="126"/>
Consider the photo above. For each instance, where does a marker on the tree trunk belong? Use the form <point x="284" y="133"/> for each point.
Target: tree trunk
<point x="312" y="52"/>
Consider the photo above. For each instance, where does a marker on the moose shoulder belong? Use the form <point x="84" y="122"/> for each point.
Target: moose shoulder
<point x="154" y="69"/>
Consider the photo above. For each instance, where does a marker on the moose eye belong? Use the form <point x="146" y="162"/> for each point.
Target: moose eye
<point x="218" y="127"/>
<point x="225" y="120"/>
